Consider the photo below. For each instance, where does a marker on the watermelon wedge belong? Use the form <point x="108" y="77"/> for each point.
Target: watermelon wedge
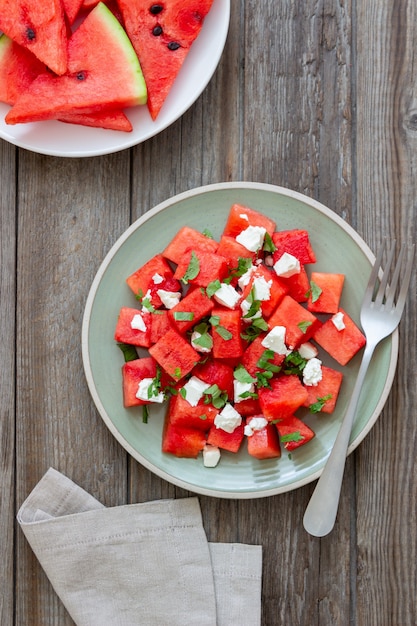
<point x="39" y="26"/>
<point x="18" y="69"/>
<point x="162" y="35"/>
<point x="103" y="74"/>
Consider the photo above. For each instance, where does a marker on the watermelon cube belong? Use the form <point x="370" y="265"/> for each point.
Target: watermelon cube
<point x="295" y="242"/>
<point x="181" y="413"/>
<point x="232" y="251"/>
<point x="298" y="285"/>
<point x="198" y="267"/>
<point x="226" y="441"/>
<point x="215" y="372"/>
<point x="255" y="289"/>
<point x="342" y="344"/>
<point x="160" y="324"/>
<point x="330" y="287"/>
<point x="134" y="327"/>
<point x="294" y="432"/>
<point x="154" y="275"/>
<point x="132" y="373"/>
<point x="191" y="309"/>
<point x="227" y="326"/>
<point x="285" y="395"/>
<point x="174" y="354"/>
<point x="240" y="217"/>
<point x="300" y="324"/>
<point x="248" y="407"/>
<point x="182" y="441"/>
<point x="264" y="444"/>
<point x="185" y="240"/>
<point x="254" y="352"/>
<point x="323" y="396"/>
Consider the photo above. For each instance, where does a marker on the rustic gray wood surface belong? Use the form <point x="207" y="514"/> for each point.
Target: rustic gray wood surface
<point x="319" y="96"/>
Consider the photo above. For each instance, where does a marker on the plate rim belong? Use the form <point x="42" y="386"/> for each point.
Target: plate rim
<point x="90" y="302"/>
<point x="126" y="139"/>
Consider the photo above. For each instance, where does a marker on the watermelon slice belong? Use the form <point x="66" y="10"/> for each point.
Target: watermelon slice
<point x="103" y="74"/>
<point x="18" y="69"/>
<point x="39" y="26"/>
<point x="162" y="35"/>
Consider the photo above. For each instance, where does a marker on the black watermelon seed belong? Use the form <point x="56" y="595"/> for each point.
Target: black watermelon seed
<point x="156" y="8"/>
<point x="174" y="45"/>
<point x="157" y="30"/>
<point x="81" y="76"/>
<point x="30" y="34"/>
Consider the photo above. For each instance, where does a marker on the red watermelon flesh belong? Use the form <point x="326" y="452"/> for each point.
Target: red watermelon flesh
<point x="18" y="69"/>
<point x="71" y="9"/>
<point x="103" y="74"/>
<point x="39" y="26"/>
<point x="162" y="35"/>
<point x="112" y="120"/>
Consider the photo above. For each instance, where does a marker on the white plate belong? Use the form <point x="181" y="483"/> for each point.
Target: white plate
<point x="338" y="248"/>
<point x="69" y="140"/>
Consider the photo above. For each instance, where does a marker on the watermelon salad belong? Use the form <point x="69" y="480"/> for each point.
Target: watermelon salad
<point x="229" y="334"/>
<point x="85" y="61"/>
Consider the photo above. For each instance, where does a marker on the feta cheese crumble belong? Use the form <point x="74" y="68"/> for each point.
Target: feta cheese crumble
<point x="169" y="298"/>
<point x="252" y="238"/>
<point x="275" y="340"/>
<point x="228" y="419"/>
<point x="262" y="289"/>
<point x="287" y="265"/>
<point x="194" y="390"/>
<point x="227" y="296"/>
<point x="312" y="373"/>
<point x="337" y="320"/>
<point x="143" y="391"/>
<point x="157" y="278"/>
<point x="138" y="323"/>
<point x="239" y="389"/>
<point x="256" y="423"/>
<point x="307" y="350"/>
<point x="211" y="455"/>
<point x="196" y="335"/>
<point x="245" y="278"/>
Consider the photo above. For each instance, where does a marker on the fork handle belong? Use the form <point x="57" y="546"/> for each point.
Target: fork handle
<point x="320" y="514"/>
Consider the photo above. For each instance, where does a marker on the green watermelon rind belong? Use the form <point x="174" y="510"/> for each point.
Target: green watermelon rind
<point x="132" y="61"/>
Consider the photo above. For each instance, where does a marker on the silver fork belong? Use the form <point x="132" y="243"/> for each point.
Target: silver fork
<point x="380" y="316"/>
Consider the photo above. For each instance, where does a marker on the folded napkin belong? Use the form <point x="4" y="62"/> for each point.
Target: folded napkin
<point x="147" y="564"/>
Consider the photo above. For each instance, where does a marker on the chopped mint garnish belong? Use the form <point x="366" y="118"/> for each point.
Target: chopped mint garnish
<point x="192" y="269"/>
<point x="317" y="406"/>
<point x="269" y="245"/>
<point x="295" y="436"/>
<point x="242" y="375"/>
<point x="215" y="396"/>
<point x="315" y="291"/>
<point x="303" y="326"/>
<point x="212" y="288"/>
<point x="183" y="316"/>
<point x="129" y="352"/>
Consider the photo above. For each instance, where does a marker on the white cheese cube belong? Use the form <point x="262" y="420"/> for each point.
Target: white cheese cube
<point x="245" y="278"/>
<point x="287" y="265"/>
<point x="143" y="391"/>
<point x="252" y="238"/>
<point x="228" y="419"/>
<point x="256" y="423"/>
<point x="211" y="455"/>
<point x="245" y="305"/>
<point x="312" y="373"/>
<point x="138" y="323"/>
<point x="157" y="278"/>
<point x="337" y="320"/>
<point x="241" y="388"/>
<point x="169" y="298"/>
<point x="262" y="289"/>
<point x="194" y="390"/>
<point x="227" y="296"/>
<point x="307" y="350"/>
<point x="275" y="340"/>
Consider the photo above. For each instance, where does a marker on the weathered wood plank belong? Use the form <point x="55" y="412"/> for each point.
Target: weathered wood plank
<point x="7" y="369"/>
<point x="69" y="214"/>
<point x="386" y="193"/>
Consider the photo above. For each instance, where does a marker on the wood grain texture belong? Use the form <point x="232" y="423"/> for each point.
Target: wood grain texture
<point x="320" y="97"/>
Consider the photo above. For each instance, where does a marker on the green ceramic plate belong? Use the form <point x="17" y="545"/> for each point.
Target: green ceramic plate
<point x="338" y="248"/>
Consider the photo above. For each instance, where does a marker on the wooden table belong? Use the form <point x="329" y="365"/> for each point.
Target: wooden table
<point x="317" y="96"/>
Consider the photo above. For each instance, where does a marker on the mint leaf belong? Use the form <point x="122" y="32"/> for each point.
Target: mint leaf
<point x="129" y="351"/>
<point x="212" y="288"/>
<point x="192" y="269"/>
<point x="303" y="326"/>
<point x="317" y="406"/>
<point x="295" y="436"/>
<point x="315" y="291"/>
<point x="183" y="316"/>
<point x="242" y="375"/>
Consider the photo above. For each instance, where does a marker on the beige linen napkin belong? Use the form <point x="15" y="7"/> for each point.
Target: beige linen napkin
<point x="147" y="564"/>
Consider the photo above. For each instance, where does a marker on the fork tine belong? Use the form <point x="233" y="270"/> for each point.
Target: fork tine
<point x="402" y="296"/>
<point x="394" y="282"/>
<point x="384" y="281"/>
<point x="370" y="288"/>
